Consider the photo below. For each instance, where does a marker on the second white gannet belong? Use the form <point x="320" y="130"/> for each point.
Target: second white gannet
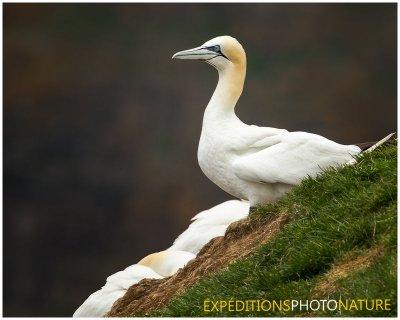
<point x="206" y="225"/>
<point x="155" y="266"/>
<point x="210" y="224"/>
<point x="259" y="164"/>
<point x="167" y="262"/>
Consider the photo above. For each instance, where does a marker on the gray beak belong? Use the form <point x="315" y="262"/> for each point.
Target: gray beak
<point x="199" y="53"/>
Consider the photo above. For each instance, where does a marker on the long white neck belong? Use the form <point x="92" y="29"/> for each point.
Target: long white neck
<point x="228" y="90"/>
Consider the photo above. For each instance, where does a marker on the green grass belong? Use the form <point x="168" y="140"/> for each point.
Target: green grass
<point x="343" y="213"/>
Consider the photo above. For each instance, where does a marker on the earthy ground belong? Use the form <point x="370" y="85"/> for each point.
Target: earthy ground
<point x="240" y="240"/>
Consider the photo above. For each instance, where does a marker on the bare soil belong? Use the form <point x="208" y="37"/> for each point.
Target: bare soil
<point x="240" y="240"/>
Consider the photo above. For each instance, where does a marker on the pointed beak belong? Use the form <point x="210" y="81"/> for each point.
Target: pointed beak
<point x="199" y="53"/>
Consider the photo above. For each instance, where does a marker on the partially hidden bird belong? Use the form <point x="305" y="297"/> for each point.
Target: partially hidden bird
<point x="210" y="224"/>
<point x="258" y="164"/>
<point x="154" y="266"/>
<point x="205" y="226"/>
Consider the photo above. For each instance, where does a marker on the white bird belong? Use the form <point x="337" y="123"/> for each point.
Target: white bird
<point x="154" y="266"/>
<point x="210" y="224"/>
<point x="206" y="225"/>
<point x="259" y="164"/>
<point x="167" y="262"/>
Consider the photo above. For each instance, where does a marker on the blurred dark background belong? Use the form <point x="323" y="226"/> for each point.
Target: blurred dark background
<point x="101" y="127"/>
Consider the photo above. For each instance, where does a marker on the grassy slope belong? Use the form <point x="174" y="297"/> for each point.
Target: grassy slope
<point x="340" y="243"/>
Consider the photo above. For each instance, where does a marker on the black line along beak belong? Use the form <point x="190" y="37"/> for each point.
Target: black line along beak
<point x="200" y="53"/>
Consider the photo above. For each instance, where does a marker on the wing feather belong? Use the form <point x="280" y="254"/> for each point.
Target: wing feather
<point x="291" y="157"/>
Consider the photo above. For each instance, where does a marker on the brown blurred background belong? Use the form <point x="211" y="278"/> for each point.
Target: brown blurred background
<point x="101" y="127"/>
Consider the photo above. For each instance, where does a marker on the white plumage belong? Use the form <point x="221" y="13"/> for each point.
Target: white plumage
<point x="166" y="263"/>
<point x="259" y="164"/>
<point x="210" y="224"/>
<point x="154" y="266"/>
<point x="101" y="301"/>
<point x="206" y="225"/>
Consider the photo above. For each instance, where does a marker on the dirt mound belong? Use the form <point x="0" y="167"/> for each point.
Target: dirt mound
<point x="240" y="240"/>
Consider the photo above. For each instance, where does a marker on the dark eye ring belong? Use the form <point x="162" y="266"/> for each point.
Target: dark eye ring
<point x="217" y="49"/>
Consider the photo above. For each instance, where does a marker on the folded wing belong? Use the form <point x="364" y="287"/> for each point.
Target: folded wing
<point x="291" y="157"/>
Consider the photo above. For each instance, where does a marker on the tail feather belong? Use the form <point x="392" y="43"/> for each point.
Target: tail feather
<point x="371" y="146"/>
<point x="380" y="142"/>
<point x="365" y="145"/>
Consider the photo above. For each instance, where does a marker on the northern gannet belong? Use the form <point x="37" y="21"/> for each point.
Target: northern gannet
<point x="167" y="262"/>
<point x="210" y="224"/>
<point x="258" y="164"/>
<point x="155" y="266"/>
<point x="205" y="226"/>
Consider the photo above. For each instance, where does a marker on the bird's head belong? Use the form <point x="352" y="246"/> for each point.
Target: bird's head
<point x="220" y="52"/>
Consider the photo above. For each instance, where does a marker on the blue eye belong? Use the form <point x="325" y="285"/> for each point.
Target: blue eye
<point x="216" y="48"/>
